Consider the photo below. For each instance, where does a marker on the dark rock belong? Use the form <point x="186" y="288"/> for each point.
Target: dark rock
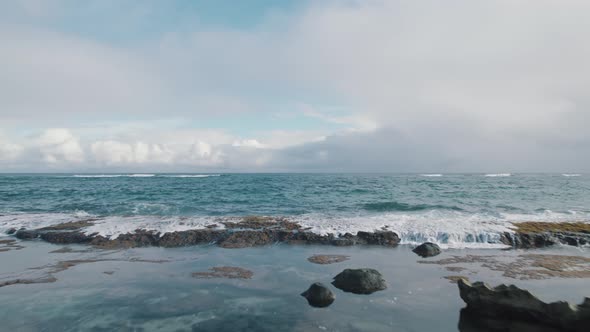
<point x="530" y="240"/>
<point x="427" y="249"/>
<point x="382" y="238"/>
<point x="515" y="304"/>
<point x="190" y="238"/>
<point x="359" y="281"/>
<point x="65" y="237"/>
<point x="24" y="234"/>
<point x="318" y="295"/>
<point x="250" y="232"/>
<point x="141" y="238"/>
<point x="243" y="239"/>
<point x="472" y="322"/>
<point x="11" y="231"/>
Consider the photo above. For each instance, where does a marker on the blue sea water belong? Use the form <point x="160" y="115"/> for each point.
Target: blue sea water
<point x="452" y="209"/>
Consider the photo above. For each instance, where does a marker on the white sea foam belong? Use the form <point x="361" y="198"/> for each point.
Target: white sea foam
<point x="432" y="175"/>
<point x="192" y="175"/>
<point x="570" y="174"/>
<point x="143" y="175"/>
<point x="98" y="175"/>
<point x="494" y="175"/>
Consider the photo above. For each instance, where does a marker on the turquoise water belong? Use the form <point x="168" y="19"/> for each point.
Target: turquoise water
<point x="449" y="209"/>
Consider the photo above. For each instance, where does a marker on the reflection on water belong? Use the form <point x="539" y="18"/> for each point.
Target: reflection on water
<point x="153" y="289"/>
<point x="471" y="322"/>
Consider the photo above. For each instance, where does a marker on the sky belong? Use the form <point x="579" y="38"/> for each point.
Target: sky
<point x="294" y="86"/>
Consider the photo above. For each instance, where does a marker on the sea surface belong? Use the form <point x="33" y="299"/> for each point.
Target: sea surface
<point x="454" y="210"/>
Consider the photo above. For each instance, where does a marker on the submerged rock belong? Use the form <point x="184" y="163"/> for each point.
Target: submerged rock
<point x="512" y="303"/>
<point x="359" y="281"/>
<point x="318" y="295"/>
<point x="11" y="231"/>
<point x="229" y="272"/>
<point x="328" y="259"/>
<point x="427" y="249"/>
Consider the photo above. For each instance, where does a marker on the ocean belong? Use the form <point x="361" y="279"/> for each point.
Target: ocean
<point x="454" y="210"/>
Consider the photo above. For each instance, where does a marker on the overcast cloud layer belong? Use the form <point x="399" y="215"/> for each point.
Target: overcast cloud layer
<point x="385" y="86"/>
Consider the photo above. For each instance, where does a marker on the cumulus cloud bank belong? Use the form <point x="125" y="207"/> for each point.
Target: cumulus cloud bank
<point x="396" y="86"/>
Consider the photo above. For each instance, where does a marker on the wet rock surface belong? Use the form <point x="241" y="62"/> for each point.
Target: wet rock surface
<point x="328" y="259"/>
<point x="522" y="267"/>
<point x="359" y="281"/>
<point x="515" y="304"/>
<point x="528" y="235"/>
<point x="427" y="249"/>
<point x="250" y="232"/>
<point x="9" y="244"/>
<point x="229" y="272"/>
<point x="318" y="295"/>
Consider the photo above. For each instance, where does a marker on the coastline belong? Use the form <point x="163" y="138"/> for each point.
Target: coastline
<point x="253" y="231"/>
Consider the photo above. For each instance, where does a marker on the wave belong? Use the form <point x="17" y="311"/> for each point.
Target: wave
<point x="404" y="207"/>
<point x="571" y="174"/>
<point x="98" y="176"/>
<point x="493" y="175"/>
<point x="431" y="175"/>
<point x="143" y="175"/>
<point x="192" y="175"/>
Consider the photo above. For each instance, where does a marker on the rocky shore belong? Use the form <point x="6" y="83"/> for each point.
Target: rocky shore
<point x="249" y="232"/>
<point x="528" y="235"/>
<point x="260" y="231"/>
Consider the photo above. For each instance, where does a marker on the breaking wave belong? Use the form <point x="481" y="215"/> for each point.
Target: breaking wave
<point x="494" y="175"/>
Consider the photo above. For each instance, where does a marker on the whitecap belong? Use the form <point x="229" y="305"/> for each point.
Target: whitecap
<point x="571" y="174"/>
<point x="493" y="175"/>
<point x="192" y="175"/>
<point x="98" y="175"/>
<point x="431" y="175"/>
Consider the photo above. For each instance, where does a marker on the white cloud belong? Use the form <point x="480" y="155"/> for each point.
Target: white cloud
<point x="58" y="145"/>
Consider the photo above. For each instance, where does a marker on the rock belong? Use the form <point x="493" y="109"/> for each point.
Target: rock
<point x="381" y="238"/>
<point x="65" y="237"/>
<point x="427" y="249"/>
<point x="244" y="239"/>
<point x="359" y="281"/>
<point x="24" y="234"/>
<point x="512" y="303"/>
<point x="190" y="238"/>
<point x="69" y="226"/>
<point x="318" y="295"/>
<point x="249" y="232"/>
<point x="11" y="231"/>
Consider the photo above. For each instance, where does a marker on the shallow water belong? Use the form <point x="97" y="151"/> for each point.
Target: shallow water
<point x="152" y="295"/>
